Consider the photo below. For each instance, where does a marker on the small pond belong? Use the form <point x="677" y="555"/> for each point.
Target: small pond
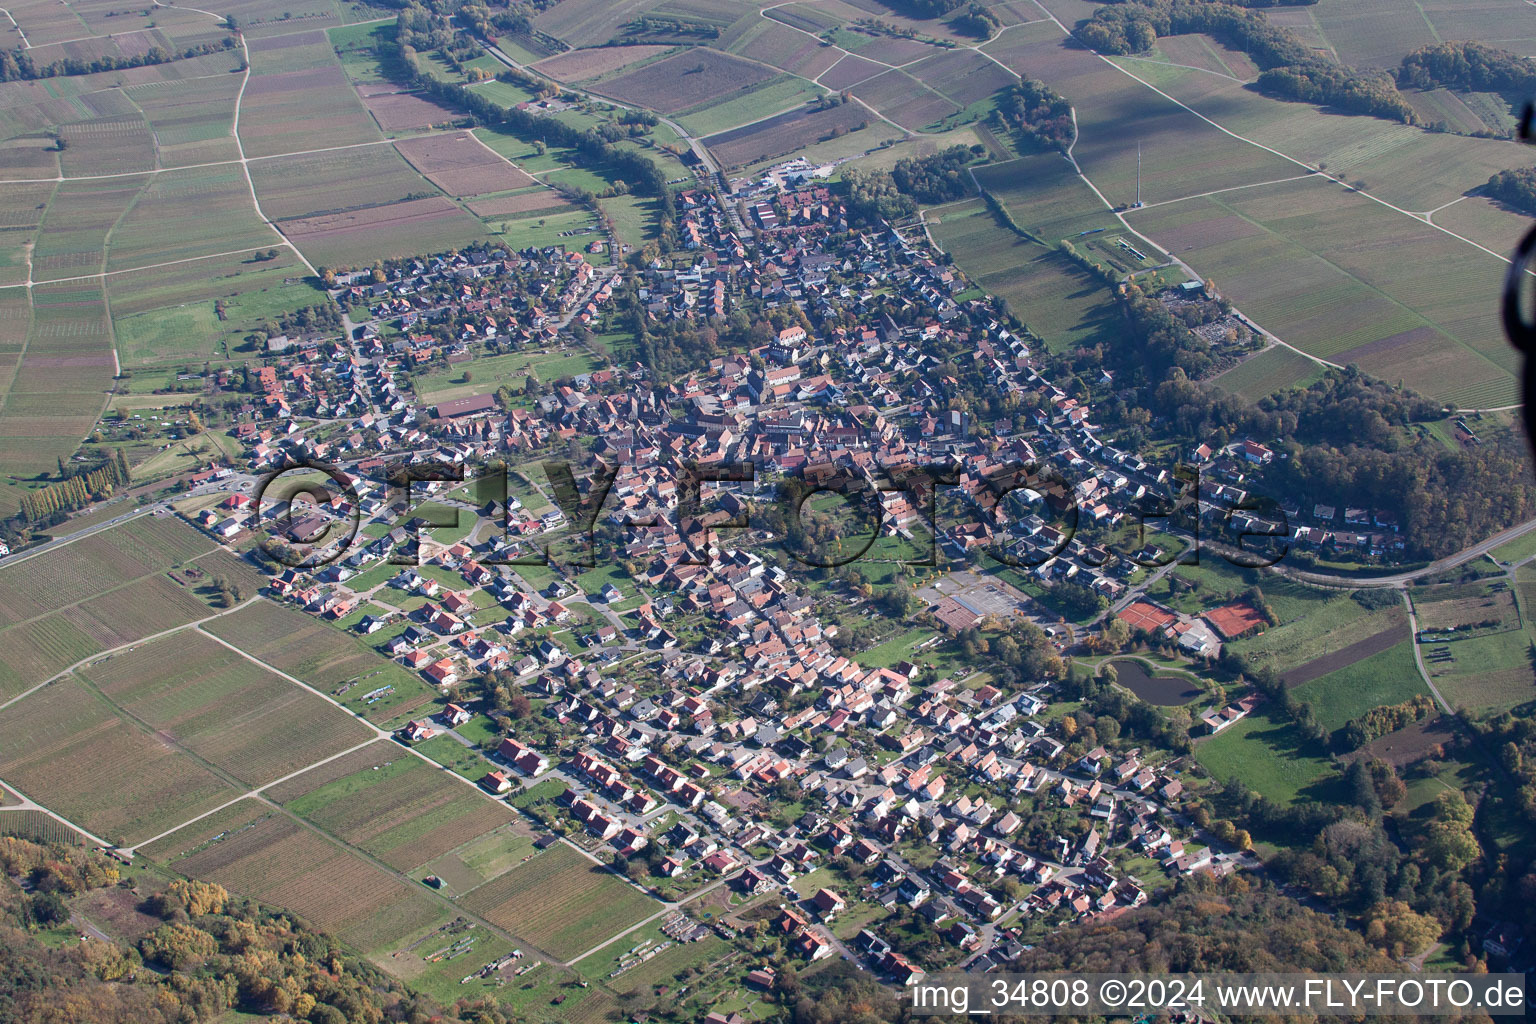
<point x="1164" y="691"/>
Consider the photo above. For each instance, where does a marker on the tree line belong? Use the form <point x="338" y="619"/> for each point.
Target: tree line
<point x="1290" y="69"/>
<point x="18" y="65"/>
<point x="76" y="488"/>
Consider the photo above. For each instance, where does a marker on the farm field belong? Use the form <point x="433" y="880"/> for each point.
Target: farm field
<point x="253" y="850"/>
<point x="92" y="565"/>
<point x="299" y="99"/>
<point x="693" y="78"/>
<point x="325" y="183"/>
<point x="1274" y="369"/>
<point x="227" y="710"/>
<point x="594" y="62"/>
<point x="1326" y="624"/>
<point x="192" y="121"/>
<point x="785" y="133"/>
<point x="405" y="813"/>
<point x="783" y="93"/>
<point x="560" y="901"/>
<point x="784" y="47"/>
<point x="325" y="658"/>
<point x="137" y="786"/>
<point x="172" y="314"/>
<point x="1484" y="673"/>
<point x="1052" y="296"/>
<point x="1452" y="606"/>
<point x="1181" y="155"/>
<point x="1408" y="167"/>
<point x="188" y="213"/>
<point x="359" y="237"/>
<point x="1363" y="284"/>
<point x="1389" y="677"/>
<point x="461" y="166"/>
<point x="484" y="858"/>
<point x="120" y="613"/>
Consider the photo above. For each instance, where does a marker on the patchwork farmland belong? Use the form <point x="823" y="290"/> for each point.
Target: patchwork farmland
<point x="561" y="901"/>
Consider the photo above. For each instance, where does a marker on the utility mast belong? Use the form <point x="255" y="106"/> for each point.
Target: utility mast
<point x="1138" y="175"/>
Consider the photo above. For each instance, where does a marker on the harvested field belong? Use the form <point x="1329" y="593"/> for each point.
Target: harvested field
<point x="784" y="133"/>
<point x="1410" y="744"/>
<point x="264" y="855"/>
<point x="786" y="49"/>
<point x="963" y="76"/>
<point x="461" y="165"/>
<point x="405" y="813"/>
<point x="561" y="902"/>
<point x="905" y="100"/>
<point x="295" y="111"/>
<point x="63" y="747"/>
<point x="225" y="708"/>
<point x="1345" y="656"/>
<point x="324" y="183"/>
<point x="358" y="237"/>
<point x="512" y="206"/>
<point x="579" y="65"/>
<point x="404" y="111"/>
<point x="850" y="71"/>
<point x="686" y="80"/>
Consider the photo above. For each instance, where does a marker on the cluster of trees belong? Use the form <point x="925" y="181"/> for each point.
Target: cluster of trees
<point x="1515" y="187"/>
<point x="873" y="196"/>
<point x="975" y="20"/>
<point x="938" y="178"/>
<point x="1018" y="647"/>
<point x="924" y="8"/>
<point x="1469" y="66"/>
<point x="1236" y="923"/>
<point x="77" y="487"/>
<point x="1112" y="712"/>
<point x="893" y="195"/>
<point x="674" y="349"/>
<point x="1038" y="112"/>
<point x="19" y="65"/>
<point x="1291" y="70"/>
<point x="1379" y="721"/>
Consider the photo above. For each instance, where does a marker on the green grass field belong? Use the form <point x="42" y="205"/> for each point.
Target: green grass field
<point x="493" y="371"/>
<point x="1390" y="677"/>
<point x="770" y="97"/>
<point x="1271" y="757"/>
<point x="1266" y="372"/>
